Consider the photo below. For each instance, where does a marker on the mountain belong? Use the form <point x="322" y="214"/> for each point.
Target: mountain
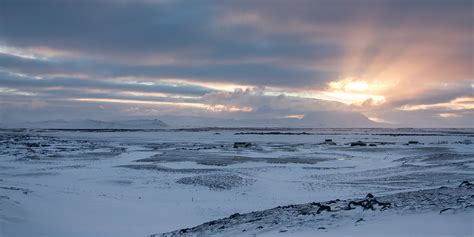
<point x="321" y="119"/>
<point x="91" y="124"/>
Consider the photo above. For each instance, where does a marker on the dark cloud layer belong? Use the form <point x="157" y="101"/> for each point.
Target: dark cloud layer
<point x="298" y="46"/>
<point x="38" y="84"/>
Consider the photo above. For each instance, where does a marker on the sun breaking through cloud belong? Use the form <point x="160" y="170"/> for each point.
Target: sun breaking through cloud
<point x="385" y="60"/>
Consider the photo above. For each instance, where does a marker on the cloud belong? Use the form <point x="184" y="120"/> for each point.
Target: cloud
<point x="395" y="53"/>
<point x="271" y="106"/>
<point x="245" y="73"/>
<point x="13" y="81"/>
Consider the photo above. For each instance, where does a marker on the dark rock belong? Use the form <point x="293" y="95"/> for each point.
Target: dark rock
<point x="32" y="145"/>
<point x="242" y="144"/>
<point x="304" y="212"/>
<point x="212" y="222"/>
<point x="465" y="142"/>
<point x="358" y="143"/>
<point x="466" y="184"/>
<point x="32" y="157"/>
<point x="254" y="220"/>
<point x="234" y="215"/>
<point x="323" y="208"/>
<point x="444" y="210"/>
<point x="273" y="133"/>
<point x="369" y="203"/>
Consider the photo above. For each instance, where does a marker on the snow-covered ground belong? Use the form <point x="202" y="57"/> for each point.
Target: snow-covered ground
<point x="139" y="183"/>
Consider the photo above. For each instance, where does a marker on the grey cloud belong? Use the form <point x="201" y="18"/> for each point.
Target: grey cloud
<point x="428" y="118"/>
<point x="137" y="28"/>
<point x="388" y="13"/>
<point x="272" y="106"/>
<point x="12" y="81"/>
<point x="442" y="94"/>
<point x="106" y="25"/>
<point x="187" y="31"/>
<point x="240" y="73"/>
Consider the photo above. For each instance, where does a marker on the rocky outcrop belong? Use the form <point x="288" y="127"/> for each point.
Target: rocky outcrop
<point x="319" y="215"/>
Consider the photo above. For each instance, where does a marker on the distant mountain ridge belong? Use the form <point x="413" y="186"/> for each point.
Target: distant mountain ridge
<point x="91" y="124"/>
<point x="319" y="119"/>
<point x="322" y="119"/>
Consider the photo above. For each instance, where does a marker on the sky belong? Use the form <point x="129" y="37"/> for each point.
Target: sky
<point x="399" y="63"/>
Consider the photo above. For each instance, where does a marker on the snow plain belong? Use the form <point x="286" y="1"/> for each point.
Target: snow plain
<point x="144" y="182"/>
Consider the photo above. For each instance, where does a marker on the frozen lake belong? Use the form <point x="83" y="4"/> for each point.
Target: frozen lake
<point x="143" y="182"/>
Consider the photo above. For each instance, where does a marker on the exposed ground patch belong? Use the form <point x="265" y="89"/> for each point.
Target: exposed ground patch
<point x="221" y="181"/>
